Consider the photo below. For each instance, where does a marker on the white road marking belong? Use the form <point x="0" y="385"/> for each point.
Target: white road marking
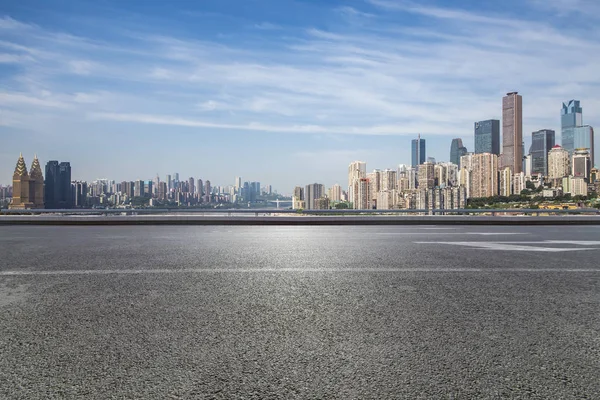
<point x="276" y="270"/>
<point x="507" y="246"/>
<point x="576" y="242"/>
<point x="494" y="233"/>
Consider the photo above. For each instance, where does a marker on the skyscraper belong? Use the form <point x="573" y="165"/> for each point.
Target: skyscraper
<point x="512" y="132"/>
<point x="583" y="138"/>
<point x="581" y="164"/>
<point x="571" y="116"/>
<point x="58" y="193"/>
<point x="356" y="170"/>
<point x="361" y="189"/>
<point x="558" y="163"/>
<point x="207" y="192"/>
<point x="541" y="143"/>
<point x="484" y="175"/>
<point x="192" y="185"/>
<point x="418" y="151"/>
<point x="487" y="137"/>
<point x="457" y="150"/>
<point x="313" y="192"/>
<point x="28" y="188"/>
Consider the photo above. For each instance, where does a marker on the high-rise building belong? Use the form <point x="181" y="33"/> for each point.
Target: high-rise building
<point x="558" y="163"/>
<point x="207" y="192"/>
<point x="389" y="179"/>
<point x="457" y="150"/>
<point x="169" y="183"/>
<point x="356" y="170"/>
<point x="313" y="192"/>
<point x="58" y="193"/>
<point x="238" y="183"/>
<point x="199" y="188"/>
<point x="583" y="138"/>
<point x="446" y="174"/>
<point x="28" y="188"/>
<point x="418" y="151"/>
<point x="512" y="132"/>
<point x="581" y="164"/>
<point x="361" y="189"/>
<point x="505" y="182"/>
<point x="426" y="173"/>
<point x="487" y="136"/>
<point x="192" y="186"/>
<point x="571" y="116"/>
<point x="541" y="143"/>
<point x="484" y="175"/>
<point x="80" y="191"/>
<point x="334" y="193"/>
<point x="139" y="188"/>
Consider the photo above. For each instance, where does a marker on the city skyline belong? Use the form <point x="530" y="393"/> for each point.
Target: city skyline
<point x="302" y="88"/>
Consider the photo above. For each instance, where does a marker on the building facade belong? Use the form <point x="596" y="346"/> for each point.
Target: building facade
<point x="571" y="116"/>
<point x="583" y="138"/>
<point x="418" y="151"/>
<point x="581" y="165"/>
<point x="541" y="143"/>
<point x="487" y="136"/>
<point x="558" y="163"/>
<point x="484" y="175"/>
<point x="512" y="132"/>
<point x="28" y="188"/>
<point x="58" y="193"/>
<point x="313" y="192"/>
<point x="457" y="150"/>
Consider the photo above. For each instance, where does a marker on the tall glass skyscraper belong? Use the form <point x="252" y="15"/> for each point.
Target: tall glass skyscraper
<point x="541" y="143"/>
<point x="418" y="151"/>
<point x="583" y="138"/>
<point x="58" y="192"/>
<point x="487" y="137"/>
<point x="457" y="150"/>
<point x="570" y="118"/>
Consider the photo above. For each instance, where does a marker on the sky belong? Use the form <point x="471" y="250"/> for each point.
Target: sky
<point x="285" y="92"/>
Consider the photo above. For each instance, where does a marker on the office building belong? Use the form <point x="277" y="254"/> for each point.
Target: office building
<point x="27" y="188"/>
<point x="487" y="136"/>
<point x="581" y="165"/>
<point x="80" y="191"/>
<point x="57" y="192"/>
<point x="484" y="175"/>
<point x="457" y="150"/>
<point x="418" y="152"/>
<point x="512" y="132"/>
<point x="571" y="116"/>
<point x="313" y="192"/>
<point x="583" y="138"/>
<point x="541" y="143"/>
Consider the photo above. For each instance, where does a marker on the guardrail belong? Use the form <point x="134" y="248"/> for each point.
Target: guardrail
<point x="257" y="212"/>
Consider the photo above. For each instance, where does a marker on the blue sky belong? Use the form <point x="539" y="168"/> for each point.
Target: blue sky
<point x="278" y="91"/>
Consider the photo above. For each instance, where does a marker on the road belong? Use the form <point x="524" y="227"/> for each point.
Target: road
<point x="299" y="312"/>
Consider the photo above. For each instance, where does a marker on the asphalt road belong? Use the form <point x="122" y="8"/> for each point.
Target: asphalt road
<point x="299" y="312"/>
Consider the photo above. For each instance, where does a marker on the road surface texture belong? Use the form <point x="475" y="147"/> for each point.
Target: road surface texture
<point x="163" y="312"/>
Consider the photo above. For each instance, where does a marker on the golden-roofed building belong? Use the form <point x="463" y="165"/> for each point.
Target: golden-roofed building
<point x="28" y="188"/>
